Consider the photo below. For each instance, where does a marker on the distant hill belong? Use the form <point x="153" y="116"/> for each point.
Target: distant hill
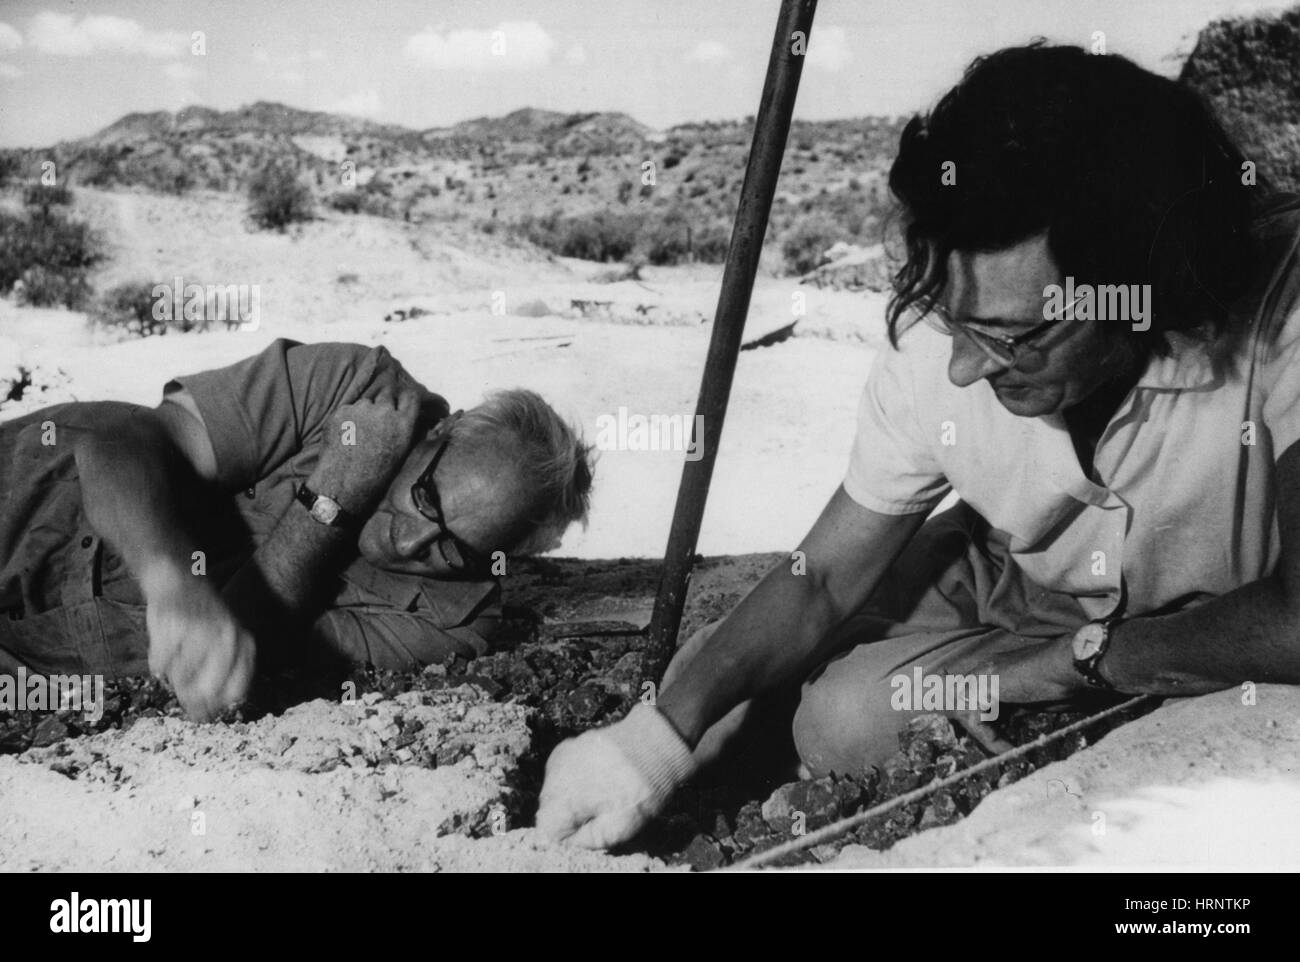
<point x="1249" y="68"/>
<point x="538" y="171"/>
<point x="579" y="183"/>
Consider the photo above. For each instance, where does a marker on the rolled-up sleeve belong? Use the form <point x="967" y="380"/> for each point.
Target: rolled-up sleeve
<point x="892" y="469"/>
<point x="263" y="410"/>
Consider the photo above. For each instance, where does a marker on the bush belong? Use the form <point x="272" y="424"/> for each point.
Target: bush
<point x="39" y="195"/>
<point x="807" y="240"/>
<point x="602" y="236"/>
<point x="9" y="168"/>
<point x="49" y="287"/>
<point x="50" y="254"/>
<point x="597" y="236"/>
<point x="130" y="307"/>
<point x="277" y="198"/>
<point x="348" y="202"/>
<point x="682" y="235"/>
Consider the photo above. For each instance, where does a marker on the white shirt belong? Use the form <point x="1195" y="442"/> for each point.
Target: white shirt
<point x="1187" y="507"/>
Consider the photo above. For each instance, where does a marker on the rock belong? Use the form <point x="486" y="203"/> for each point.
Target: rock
<point x="49" y="732"/>
<point x="586" y="702"/>
<point x="704" y="854"/>
<point x="942" y="810"/>
<point x="932" y="730"/>
<point x="897" y="777"/>
<point x="816" y="800"/>
<point x="751" y="831"/>
<point x="945" y="765"/>
<point x="490" y="687"/>
<point x="533" y="308"/>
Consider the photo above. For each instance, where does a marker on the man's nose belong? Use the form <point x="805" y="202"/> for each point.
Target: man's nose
<point x="412" y="539"/>
<point x="969" y="363"/>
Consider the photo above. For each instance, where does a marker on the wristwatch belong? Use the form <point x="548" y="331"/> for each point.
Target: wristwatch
<point x="1090" y="644"/>
<point x="323" y="508"/>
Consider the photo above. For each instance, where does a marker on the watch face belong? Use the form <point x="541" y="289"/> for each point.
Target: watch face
<point x="1088" y="641"/>
<point x="325" y="510"/>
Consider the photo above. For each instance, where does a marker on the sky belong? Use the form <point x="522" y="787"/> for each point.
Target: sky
<point x="70" y="68"/>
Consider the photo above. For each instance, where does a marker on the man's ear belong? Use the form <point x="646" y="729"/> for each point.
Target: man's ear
<point x="433" y="408"/>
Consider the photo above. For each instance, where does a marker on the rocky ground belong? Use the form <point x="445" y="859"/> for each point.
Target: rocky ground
<point x="440" y="769"/>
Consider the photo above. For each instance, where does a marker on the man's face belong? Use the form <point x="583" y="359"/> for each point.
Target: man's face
<point x="1001" y="293"/>
<point x="479" y="494"/>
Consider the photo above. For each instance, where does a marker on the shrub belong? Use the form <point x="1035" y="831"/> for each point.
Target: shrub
<point x="600" y="236"/>
<point x="277" y="198"/>
<point x="807" y="240"/>
<point x="681" y="235"/>
<point x="50" y="254"/>
<point x="130" y="307"/>
<point x="49" y="287"/>
<point x="348" y="201"/>
<point x="597" y="236"/>
<point x="39" y="195"/>
<point x="9" y="168"/>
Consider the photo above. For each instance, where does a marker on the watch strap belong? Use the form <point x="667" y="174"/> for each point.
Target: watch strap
<point x="308" y="499"/>
<point x="1089" y="667"/>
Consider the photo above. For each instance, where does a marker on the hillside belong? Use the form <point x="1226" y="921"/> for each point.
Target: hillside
<point x="1249" y="68"/>
<point x="536" y="171"/>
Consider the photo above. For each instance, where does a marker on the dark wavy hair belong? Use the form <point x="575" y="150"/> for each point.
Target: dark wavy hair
<point x="1130" y="174"/>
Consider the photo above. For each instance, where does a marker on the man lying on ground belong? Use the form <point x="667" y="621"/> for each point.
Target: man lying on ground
<point x="310" y="502"/>
<point x="1107" y="373"/>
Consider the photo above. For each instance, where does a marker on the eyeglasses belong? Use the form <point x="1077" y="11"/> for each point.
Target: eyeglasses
<point x="456" y="553"/>
<point x="1005" y="349"/>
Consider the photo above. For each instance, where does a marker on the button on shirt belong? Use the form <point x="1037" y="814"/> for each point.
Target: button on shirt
<point x="1184" y="505"/>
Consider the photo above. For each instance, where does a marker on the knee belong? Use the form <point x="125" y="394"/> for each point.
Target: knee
<point x="845" y="725"/>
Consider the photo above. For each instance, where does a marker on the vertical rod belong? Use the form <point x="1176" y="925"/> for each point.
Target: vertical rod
<point x="771" y="127"/>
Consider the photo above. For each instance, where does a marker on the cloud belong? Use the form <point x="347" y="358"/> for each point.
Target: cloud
<point x="829" y="49"/>
<point x="9" y="71"/>
<point x="511" y="45"/>
<point x="288" y="66"/>
<point x="363" y="103"/>
<point x="709" y="51"/>
<point x="575" y="56"/>
<point x="10" y="39"/>
<point x="63" y="36"/>
<point x="182" y="72"/>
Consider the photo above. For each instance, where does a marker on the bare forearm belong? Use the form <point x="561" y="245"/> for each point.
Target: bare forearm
<point x="773" y="634"/>
<point x="1248" y="634"/>
<point x="286" y="583"/>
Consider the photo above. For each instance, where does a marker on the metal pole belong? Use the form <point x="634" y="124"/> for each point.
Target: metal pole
<point x="771" y="126"/>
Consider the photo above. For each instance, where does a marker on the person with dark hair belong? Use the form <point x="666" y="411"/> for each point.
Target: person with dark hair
<point x="311" y="504"/>
<point x="1095" y="356"/>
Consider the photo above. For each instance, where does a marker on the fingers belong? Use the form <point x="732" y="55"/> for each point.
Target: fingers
<point x="604" y="831"/>
<point x="982" y="733"/>
<point x="560" y="809"/>
<point x="206" y="657"/>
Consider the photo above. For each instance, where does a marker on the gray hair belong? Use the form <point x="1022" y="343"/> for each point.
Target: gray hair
<point x="554" y="463"/>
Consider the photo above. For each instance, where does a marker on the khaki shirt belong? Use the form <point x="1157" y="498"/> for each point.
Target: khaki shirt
<point x="1182" y="505"/>
<point x="67" y="601"/>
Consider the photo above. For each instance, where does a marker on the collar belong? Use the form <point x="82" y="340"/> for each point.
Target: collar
<point x="1188" y="366"/>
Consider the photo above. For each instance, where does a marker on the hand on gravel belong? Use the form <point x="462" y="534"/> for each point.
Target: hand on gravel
<point x="196" y="644"/>
<point x="604" y="786"/>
